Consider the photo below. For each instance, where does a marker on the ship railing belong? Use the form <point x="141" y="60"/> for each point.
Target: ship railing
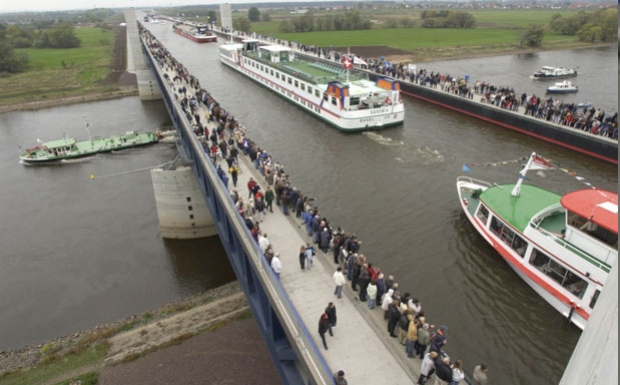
<point x="473" y="181"/>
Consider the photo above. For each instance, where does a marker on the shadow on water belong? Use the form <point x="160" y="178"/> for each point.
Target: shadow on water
<point x="198" y="265"/>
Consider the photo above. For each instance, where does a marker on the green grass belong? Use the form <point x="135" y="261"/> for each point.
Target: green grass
<point x="54" y="73"/>
<point x="56" y="368"/>
<point x="91" y="378"/>
<point x="517" y="18"/>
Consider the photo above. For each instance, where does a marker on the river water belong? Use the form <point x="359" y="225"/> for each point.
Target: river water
<point x="78" y="252"/>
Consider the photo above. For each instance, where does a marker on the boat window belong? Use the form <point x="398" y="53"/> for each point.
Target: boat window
<point x="271" y="72"/>
<point x="519" y="245"/>
<point x="354" y="101"/>
<point x="290" y="80"/>
<point x="483" y="213"/>
<point x="334" y="101"/>
<point x="303" y="87"/>
<point x="497" y="226"/>
<point x="317" y="93"/>
<point x="325" y="97"/>
<point x="277" y="75"/>
<point x="296" y="83"/>
<point x="551" y="268"/>
<point x="592" y="229"/>
<point x="574" y="284"/>
<point x="310" y="90"/>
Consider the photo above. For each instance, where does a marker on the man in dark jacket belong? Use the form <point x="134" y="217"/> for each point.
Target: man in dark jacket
<point x="443" y="371"/>
<point x="330" y="310"/>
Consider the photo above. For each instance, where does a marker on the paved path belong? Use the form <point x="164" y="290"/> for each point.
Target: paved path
<point x="360" y="345"/>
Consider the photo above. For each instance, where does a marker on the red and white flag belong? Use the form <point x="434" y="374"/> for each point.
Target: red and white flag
<point x="346" y="62"/>
<point x="541" y="163"/>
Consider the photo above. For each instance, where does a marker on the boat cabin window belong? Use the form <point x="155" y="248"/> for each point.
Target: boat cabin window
<point x="334" y="101"/>
<point x="483" y="213"/>
<point x="354" y="101"/>
<point x="310" y="90"/>
<point x="271" y="72"/>
<point x="262" y="68"/>
<point x="317" y="93"/>
<point x="325" y="97"/>
<point x="592" y="229"/>
<point x="569" y="280"/>
<point x="296" y="83"/>
<point x="290" y="80"/>
<point x="303" y="87"/>
<point x="277" y="75"/>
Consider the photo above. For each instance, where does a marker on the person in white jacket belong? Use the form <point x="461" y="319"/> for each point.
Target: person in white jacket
<point x="387" y="300"/>
<point x="339" y="280"/>
<point x="276" y="265"/>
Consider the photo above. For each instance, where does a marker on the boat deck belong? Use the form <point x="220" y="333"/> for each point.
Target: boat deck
<point x="555" y="223"/>
<point x="472" y="199"/>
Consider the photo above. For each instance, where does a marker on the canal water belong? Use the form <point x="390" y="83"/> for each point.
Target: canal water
<point x="79" y="252"/>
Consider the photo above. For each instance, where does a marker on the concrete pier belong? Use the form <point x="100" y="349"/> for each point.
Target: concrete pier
<point x="148" y="89"/>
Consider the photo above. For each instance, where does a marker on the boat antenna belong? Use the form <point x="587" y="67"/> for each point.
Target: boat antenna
<point x="86" y="124"/>
<point x="349" y="57"/>
<point x="517" y="189"/>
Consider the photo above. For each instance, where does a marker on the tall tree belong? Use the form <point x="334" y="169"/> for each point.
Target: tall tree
<point x="242" y="24"/>
<point x="212" y="16"/>
<point x="9" y="60"/>
<point x="533" y="36"/>
<point x="254" y="14"/>
<point x="63" y="36"/>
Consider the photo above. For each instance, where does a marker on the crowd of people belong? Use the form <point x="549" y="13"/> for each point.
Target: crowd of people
<point x="224" y="144"/>
<point x="584" y="117"/>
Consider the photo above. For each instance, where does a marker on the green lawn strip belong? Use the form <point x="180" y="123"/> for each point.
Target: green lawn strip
<point x="90" y="378"/>
<point x="55" y="367"/>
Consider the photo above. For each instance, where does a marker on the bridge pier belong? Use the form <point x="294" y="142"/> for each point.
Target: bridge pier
<point x="182" y="211"/>
<point x="137" y="62"/>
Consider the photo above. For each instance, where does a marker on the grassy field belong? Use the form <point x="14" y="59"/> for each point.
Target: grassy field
<point x="54" y="73"/>
<point x="493" y="27"/>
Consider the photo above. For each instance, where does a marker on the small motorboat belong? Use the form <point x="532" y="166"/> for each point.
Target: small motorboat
<point x="547" y="72"/>
<point x="564" y="87"/>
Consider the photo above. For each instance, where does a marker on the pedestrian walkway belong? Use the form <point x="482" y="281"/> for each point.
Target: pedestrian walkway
<point x="360" y="345"/>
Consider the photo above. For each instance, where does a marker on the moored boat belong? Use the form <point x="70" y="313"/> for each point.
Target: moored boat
<point x="68" y="148"/>
<point x="344" y="98"/>
<point x="547" y="72"/>
<point x="561" y="246"/>
<point x="199" y="33"/>
<point x="565" y="87"/>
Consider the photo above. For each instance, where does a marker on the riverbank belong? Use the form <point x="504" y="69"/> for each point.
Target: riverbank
<point x="123" y="341"/>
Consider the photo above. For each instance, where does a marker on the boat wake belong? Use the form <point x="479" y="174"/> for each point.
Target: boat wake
<point x="421" y="155"/>
<point x="79" y="160"/>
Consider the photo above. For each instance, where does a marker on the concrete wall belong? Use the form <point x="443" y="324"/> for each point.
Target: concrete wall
<point x="137" y="63"/>
<point x="595" y="358"/>
<point x="181" y="208"/>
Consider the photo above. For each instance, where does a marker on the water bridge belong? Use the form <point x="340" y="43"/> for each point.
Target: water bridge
<point x="287" y="311"/>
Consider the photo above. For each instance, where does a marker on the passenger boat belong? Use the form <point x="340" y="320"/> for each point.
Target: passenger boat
<point x="344" y="98"/>
<point x="562" y="246"/>
<point x="564" y="87"/>
<point x="547" y="72"/>
<point x="199" y="33"/>
<point x="68" y="148"/>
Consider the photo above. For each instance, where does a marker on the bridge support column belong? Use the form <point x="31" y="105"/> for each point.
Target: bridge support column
<point x="182" y="211"/>
<point x="137" y="62"/>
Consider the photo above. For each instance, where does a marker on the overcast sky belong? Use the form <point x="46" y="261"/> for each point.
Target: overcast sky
<point x="57" y="5"/>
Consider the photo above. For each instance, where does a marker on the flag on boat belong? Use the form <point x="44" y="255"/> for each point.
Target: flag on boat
<point x="465" y="168"/>
<point x="346" y="62"/>
<point x="541" y="163"/>
<point x="359" y="61"/>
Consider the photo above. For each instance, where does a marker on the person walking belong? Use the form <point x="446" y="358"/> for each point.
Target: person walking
<point x="302" y="256"/>
<point x="331" y="312"/>
<point x="234" y="174"/>
<point x="310" y="253"/>
<point x="269" y="198"/>
<point x="276" y="265"/>
<point x="339" y="378"/>
<point x="323" y="328"/>
<point x="339" y="280"/>
<point x="259" y="206"/>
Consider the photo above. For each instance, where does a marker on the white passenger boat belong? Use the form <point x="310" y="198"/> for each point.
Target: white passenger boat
<point x="562" y="246"/>
<point x="548" y="72"/>
<point x="347" y="99"/>
<point x="565" y="87"/>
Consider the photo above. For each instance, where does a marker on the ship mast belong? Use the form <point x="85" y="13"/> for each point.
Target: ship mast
<point x="517" y="189"/>
<point x="349" y="57"/>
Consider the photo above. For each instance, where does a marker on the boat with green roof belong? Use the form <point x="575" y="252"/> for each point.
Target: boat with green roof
<point x="340" y="95"/>
<point x="68" y="148"/>
<point x="563" y="246"/>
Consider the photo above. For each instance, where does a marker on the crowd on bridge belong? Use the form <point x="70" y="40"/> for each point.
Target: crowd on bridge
<point x="584" y="116"/>
<point x="225" y="143"/>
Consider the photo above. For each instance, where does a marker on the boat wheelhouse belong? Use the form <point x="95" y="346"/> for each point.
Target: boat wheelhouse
<point x="344" y="98"/>
<point x="561" y="246"/>
<point x="547" y="72"/>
